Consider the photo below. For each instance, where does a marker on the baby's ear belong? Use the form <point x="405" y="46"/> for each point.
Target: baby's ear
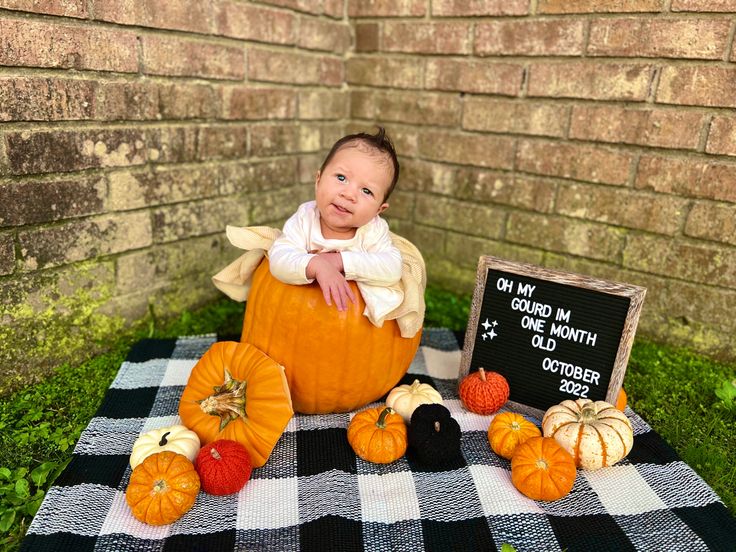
<point x="382" y="208"/>
<point x="316" y="179"/>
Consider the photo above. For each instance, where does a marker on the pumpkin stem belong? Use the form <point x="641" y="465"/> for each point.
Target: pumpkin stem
<point x="482" y="373"/>
<point x="381" y="422"/>
<point x="437" y="427"/>
<point x="215" y="454"/>
<point x="227" y="402"/>
<point x="163" y="441"/>
<point x="415" y="385"/>
<point x="587" y="413"/>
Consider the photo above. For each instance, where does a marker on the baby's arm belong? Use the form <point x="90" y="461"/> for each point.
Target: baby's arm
<point x="326" y="269"/>
<point x="380" y="265"/>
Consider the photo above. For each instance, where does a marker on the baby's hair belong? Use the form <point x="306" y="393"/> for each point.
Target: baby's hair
<point x="379" y="141"/>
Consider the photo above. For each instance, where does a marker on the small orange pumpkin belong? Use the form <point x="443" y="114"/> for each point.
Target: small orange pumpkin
<point x="236" y="392"/>
<point x="484" y="392"/>
<point x="356" y="365"/>
<point x="378" y="435"/>
<point x="542" y="470"/>
<point x="621" y="400"/>
<point x="508" y="430"/>
<point x="162" y="488"/>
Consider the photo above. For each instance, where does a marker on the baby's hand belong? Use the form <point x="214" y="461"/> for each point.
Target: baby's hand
<point x="332" y="283"/>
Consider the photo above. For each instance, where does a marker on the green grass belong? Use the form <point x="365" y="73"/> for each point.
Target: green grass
<point x="684" y="397"/>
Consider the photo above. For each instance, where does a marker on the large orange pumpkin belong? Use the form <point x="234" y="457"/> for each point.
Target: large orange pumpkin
<point x="236" y="392"/>
<point x="334" y="361"/>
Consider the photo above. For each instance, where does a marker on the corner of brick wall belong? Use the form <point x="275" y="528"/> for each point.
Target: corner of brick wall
<point x="594" y="136"/>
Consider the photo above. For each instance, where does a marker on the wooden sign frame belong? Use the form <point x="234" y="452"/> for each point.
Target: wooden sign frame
<point x="635" y="294"/>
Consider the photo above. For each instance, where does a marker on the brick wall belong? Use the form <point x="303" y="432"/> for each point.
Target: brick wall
<point x="592" y="135"/>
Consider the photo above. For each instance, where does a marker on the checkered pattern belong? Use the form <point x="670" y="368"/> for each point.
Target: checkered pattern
<point x="315" y="494"/>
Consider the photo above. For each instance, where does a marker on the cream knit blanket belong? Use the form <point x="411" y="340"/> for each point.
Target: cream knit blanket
<point x="235" y="279"/>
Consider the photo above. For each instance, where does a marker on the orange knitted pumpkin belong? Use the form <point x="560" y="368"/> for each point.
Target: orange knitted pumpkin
<point x="542" y="470"/>
<point x="484" y="392"/>
<point x="162" y="488"/>
<point x="378" y="435"/>
<point x="236" y="392"/>
<point x="224" y="467"/>
<point x="334" y="361"/>
<point x="508" y="430"/>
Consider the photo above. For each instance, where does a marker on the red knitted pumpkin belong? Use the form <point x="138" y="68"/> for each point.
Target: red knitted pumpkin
<point x="484" y="392"/>
<point x="224" y="467"/>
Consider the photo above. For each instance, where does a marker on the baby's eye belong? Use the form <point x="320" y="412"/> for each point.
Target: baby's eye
<point x="366" y="191"/>
<point x="341" y="177"/>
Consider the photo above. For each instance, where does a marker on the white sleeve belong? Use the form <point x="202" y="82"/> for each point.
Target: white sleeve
<point x="288" y="256"/>
<point x="380" y="262"/>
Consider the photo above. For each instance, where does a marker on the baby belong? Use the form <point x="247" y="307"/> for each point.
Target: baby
<point x="340" y="236"/>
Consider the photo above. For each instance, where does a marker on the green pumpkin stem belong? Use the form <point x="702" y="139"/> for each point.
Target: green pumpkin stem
<point x="381" y="422"/>
<point x="163" y="441"/>
<point x="587" y="413"/>
<point x="227" y="402"/>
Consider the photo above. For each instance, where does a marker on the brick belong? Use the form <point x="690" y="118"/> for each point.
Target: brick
<point x="173" y="144"/>
<point x="188" y="101"/>
<point x="534" y="118"/>
<point x="484" y="151"/>
<point x="308" y="6"/>
<point x="323" y="104"/>
<point x="482" y="77"/>
<point x="45" y="99"/>
<point x="261" y="24"/>
<point x="693" y="262"/>
<point x="383" y="71"/>
<point x="466" y="250"/>
<point x="407" y="107"/>
<point x="427" y="38"/>
<point x="579" y="162"/>
<point x="722" y="136"/>
<point x="464" y="8"/>
<point x="646" y="127"/>
<point x="591" y="81"/>
<point x="320" y="34"/>
<point x="30" y="43"/>
<point x="704" y="5"/>
<point x="222" y="142"/>
<point x="197" y="218"/>
<point x="64" y="8"/>
<point x="530" y="38"/>
<point x="85" y="239"/>
<point x="687" y="177"/>
<point x="307" y="168"/>
<point x="430" y="241"/>
<point x="163" y="55"/>
<point x="138" y="189"/>
<point x="697" y="85"/>
<point x="279" y="204"/>
<point x="33" y="202"/>
<point x="7" y="254"/>
<point x="275" y="139"/>
<point x="366" y="37"/>
<point x="595" y="241"/>
<point x="662" y="214"/>
<point x="402" y="205"/>
<point x="670" y="38"/>
<point x="460" y="216"/>
<point x="248" y="103"/>
<point x="712" y="221"/>
<point x="334" y="8"/>
<point x="262" y="176"/>
<point x="599" y="6"/>
<point x="387" y="8"/>
<point x="179" y="15"/>
<point x="287" y="67"/>
<point x="62" y="151"/>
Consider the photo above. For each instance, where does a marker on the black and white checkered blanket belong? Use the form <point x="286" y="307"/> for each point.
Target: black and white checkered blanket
<point x="314" y="494"/>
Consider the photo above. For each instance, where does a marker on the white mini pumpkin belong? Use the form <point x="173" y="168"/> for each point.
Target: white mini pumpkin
<point x="596" y="434"/>
<point x="404" y="399"/>
<point x="176" y="438"/>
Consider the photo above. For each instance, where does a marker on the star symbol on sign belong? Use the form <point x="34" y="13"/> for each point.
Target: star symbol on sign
<point x="491" y="334"/>
<point x="495" y="323"/>
<point x="484" y="336"/>
<point x="486" y="325"/>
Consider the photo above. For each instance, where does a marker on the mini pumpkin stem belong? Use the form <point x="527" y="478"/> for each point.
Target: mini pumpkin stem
<point x="227" y="402"/>
<point x="482" y="373"/>
<point x="587" y="413"/>
<point x="437" y="427"/>
<point x="163" y="441"/>
<point x="216" y="455"/>
<point x="415" y="385"/>
<point x="381" y="422"/>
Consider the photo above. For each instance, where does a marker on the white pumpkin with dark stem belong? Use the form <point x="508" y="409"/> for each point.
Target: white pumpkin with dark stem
<point x="596" y="434"/>
<point x="404" y="399"/>
<point x="176" y="438"/>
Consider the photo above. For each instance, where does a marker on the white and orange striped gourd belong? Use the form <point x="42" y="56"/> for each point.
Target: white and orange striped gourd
<point x="596" y="434"/>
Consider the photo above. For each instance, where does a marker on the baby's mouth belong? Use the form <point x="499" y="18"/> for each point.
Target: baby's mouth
<point x="341" y="209"/>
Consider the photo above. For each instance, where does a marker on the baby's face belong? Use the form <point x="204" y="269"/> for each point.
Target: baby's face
<point x="350" y="191"/>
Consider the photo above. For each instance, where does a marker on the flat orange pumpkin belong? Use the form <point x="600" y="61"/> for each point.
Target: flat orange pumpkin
<point x="334" y="361"/>
<point x="542" y="470"/>
<point x="236" y="392"/>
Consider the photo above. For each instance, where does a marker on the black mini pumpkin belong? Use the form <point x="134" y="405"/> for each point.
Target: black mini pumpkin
<point x="434" y="435"/>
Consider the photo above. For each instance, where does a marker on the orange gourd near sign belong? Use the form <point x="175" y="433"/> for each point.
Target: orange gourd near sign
<point x="334" y="361"/>
<point x="236" y="392"/>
